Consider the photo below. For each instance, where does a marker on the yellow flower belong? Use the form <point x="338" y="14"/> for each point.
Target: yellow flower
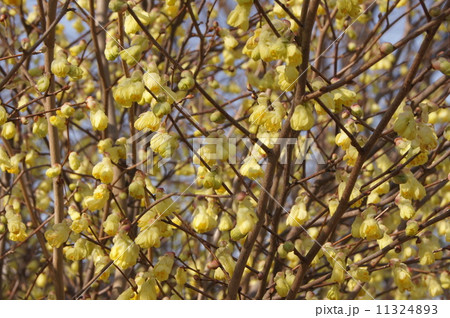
<point x="153" y="82"/>
<point x="281" y="285"/>
<point x="40" y="127"/>
<point x="412" y="189"/>
<point x="3" y="115"/>
<point x="164" y="266"/>
<point x="360" y="273"/>
<point x="293" y="55"/>
<point x="224" y="256"/>
<point x="426" y="136"/>
<point x="246" y="218"/>
<point x="78" y="252"/>
<point x="43" y="83"/>
<point x="225" y="223"/>
<point x="298" y="214"/>
<point x="53" y="171"/>
<point x="258" y="116"/>
<point x="405" y="125"/>
<point x="124" y="253"/>
<point x="129" y="90"/>
<point x="60" y="66"/>
<point x="370" y="229"/>
<point x="112" y="223"/>
<point x="137" y="187"/>
<point x="17" y="229"/>
<point x="239" y="17"/>
<point x="274" y="118"/>
<point x="251" y="169"/>
<point x="333" y="203"/>
<point x="104" y="171"/>
<point x="342" y="140"/>
<point x="130" y="24"/>
<point x="333" y="293"/>
<point x="98" y="199"/>
<point x="402" y="277"/>
<point x="203" y="222"/>
<point x="149" y="236"/>
<point x="164" y="144"/>
<point x="58" y="234"/>
<point x="412" y="228"/>
<point x="302" y="118"/>
<point x="338" y="273"/>
<point x="287" y="76"/>
<point x="434" y="288"/>
<point x="147" y="120"/>
<point x="8" y="130"/>
<point x="99" y="120"/>
<point x="407" y="211"/>
<point x="147" y="291"/>
<point x="74" y="161"/>
<point x="181" y="276"/>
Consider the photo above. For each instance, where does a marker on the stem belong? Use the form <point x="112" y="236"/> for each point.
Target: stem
<point x="55" y="158"/>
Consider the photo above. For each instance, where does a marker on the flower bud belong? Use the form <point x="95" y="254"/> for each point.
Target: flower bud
<point x="54" y="171"/>
<point x="74" y="161"/>
<point x="236" y="235"/>
<point x="246" y="218"/>
<point x="217" y="117"/>
<point x="117" y="5"/>
<point x="43" y="83"/>
<point x="333" y="203"/>
<point x="386" y="48"/>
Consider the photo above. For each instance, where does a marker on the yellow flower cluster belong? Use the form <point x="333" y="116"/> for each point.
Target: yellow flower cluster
<point x="266" y="46"/>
